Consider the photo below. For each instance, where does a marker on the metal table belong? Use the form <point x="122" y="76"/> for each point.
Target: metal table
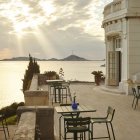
<point x="51" y="83"/>
<point x="68" y="109"/>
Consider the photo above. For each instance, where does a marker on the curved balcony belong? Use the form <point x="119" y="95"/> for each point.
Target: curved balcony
<point x="119" y="9"/>
<point x="113" y="8"/>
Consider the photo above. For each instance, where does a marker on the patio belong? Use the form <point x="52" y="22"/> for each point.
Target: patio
<point x="126" y="120"/>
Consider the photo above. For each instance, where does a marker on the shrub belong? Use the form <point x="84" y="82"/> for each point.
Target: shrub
<point x="11" y="109"/>
<point x="33" y="68"/>
<point x="51" y="75"/>
<point x="98" y="76"/>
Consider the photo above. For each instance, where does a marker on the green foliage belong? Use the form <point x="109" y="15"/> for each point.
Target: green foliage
<point x="98" y="75"/>
<point x="33" y="68"/>
<point x="51" y="74"/>
<point x="11" y="120"/>
<point x="11" y="109"/>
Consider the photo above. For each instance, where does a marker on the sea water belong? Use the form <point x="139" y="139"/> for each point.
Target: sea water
<point x="12" y="73"/>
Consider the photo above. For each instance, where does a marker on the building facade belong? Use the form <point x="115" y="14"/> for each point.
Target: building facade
<point x="122" y="38"/>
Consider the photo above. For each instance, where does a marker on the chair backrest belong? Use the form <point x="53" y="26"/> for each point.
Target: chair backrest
<point x="57" y="85"/>
<point x="75" y="122"/>
<point x="110" y="113"/>
<point x="66" y="84"/>
<point x="138" y="87"/>
<point x="135" y="93"/>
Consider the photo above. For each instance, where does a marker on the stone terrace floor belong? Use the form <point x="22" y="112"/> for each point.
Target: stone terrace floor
<point x="126" y="121"/>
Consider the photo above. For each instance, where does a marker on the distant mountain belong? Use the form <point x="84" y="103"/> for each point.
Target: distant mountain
<point x="73" y="58"/>
<point x="69" y="58"/>
<point x="53" y="59"/>
<point x="19" y="59"/>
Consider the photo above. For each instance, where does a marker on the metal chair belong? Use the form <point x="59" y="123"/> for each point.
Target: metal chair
<point x="67" y="86"/>
<point x="136" y="95"/>
<point x="57" y="92"/>
<point x="66" y="115"/>
<point x="106" y="120"/>
<point x="77" y="126"/>
<point x="4" y="126"/>
<point x="61" y="92"/>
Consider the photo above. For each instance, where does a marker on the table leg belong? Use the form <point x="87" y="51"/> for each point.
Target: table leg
<point x="75" y="136"/>
<point x="59" y="95"/>
<point x="60" y="127"/>
<point x="55" y="95"/>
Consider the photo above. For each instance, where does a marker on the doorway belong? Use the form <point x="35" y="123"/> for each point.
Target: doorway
<point x="114" y="68"/>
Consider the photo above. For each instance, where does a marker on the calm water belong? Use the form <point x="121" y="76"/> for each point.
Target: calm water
<point x="12" y="73"/>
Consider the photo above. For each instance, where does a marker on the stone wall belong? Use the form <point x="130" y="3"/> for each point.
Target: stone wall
<point x="42" y="79"/>
<point x="38" y="97"/>
<point x="44" y="120"/>
<point x="26" y="127"/>
<point x="34" y="83"/>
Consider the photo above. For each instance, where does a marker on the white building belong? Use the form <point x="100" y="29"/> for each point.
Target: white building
<point x="122" y="37"/>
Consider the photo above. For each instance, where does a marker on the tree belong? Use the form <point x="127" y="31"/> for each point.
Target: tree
<point x="61" y="73"/>
<point x="98" y="76"/>
<point x="36" y="67"/>
<point x="33" y="68"/>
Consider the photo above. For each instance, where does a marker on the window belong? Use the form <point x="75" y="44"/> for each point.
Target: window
<point x="117" y="43"/>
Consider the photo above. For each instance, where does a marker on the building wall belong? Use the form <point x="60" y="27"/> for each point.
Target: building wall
<point x="124" y="50"/>
<point x="133" y="6"/>
<point x="134" y="45"/>
<point x="122" y="17"/>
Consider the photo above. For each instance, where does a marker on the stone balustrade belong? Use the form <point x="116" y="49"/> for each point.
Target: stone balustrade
<point x="112" y="7"/>
<point x="36" y="96"/>
<point x="26" y="127"/>
<point x="32" y="116"/>
<point x="35" y="114"/>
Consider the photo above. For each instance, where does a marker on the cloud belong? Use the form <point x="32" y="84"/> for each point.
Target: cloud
<point x="52" y="28"/>
<point x="82" y="4"/>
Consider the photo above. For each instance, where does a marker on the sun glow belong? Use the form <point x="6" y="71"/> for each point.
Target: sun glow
<point x="47" y="7"/>
<point x="25" y="16"/>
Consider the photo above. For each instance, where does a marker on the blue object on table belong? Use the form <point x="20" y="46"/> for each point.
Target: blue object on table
<point x="74" y="105"/>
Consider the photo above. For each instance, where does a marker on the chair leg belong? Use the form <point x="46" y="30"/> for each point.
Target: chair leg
<point x="112" y="131"/>
<point x="133" y="102"/>
<point x="65" y="135"/>
<point x="136" y="103"/>
<point x="84" y="136"/>
<point x="7" y="128"/>
<point x="62" y="96"/>
<point x="66" y="95"/>
<point x="89" y="135"/>
<point x="69" y="93"/>
<point x="81" y="136"/>
<point x="92" y="131"/>
<point x="108" y="131"/>
<point x="60" y="127"/>
<point x="4" y="130"/>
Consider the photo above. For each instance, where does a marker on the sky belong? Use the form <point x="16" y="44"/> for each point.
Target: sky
<point x="52" y="28"/>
